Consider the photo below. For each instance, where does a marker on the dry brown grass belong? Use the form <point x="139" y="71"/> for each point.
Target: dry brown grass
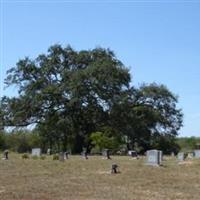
<point x="79" y="179"/>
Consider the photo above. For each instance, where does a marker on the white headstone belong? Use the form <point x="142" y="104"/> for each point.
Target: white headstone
<point x="36" y="152"/>
<point x="181" y="156"/>
<point x="197" y="153"/>
<point x="190" y="155"/>
<point x="153" y="157"/>
<point x="48" y="151"/>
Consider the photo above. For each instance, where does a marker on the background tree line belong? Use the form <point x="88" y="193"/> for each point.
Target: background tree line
<point x="83" y="99"/>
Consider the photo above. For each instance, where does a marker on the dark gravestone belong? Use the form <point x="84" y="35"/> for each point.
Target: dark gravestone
<point x="133" y="154"/>
<point x="114" y="169"/>
<point x="5" y="154"/>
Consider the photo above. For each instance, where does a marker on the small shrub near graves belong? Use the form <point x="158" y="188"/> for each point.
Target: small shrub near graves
<point x="55" y="157"/>
<point x="25" y="156"/>
<point x="42" y="157"/>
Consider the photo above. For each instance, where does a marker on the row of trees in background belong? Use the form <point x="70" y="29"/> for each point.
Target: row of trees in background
<point x="83" y="99"/>
<point x="24" y="140"/>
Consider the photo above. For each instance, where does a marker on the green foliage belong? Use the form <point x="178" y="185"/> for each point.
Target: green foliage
<point x="25" y="156"/>
<point x="102" y="141"/>
<point x="68" y="95"/>
<point x="2" y="140"/>
<point x="22" y="140"/>
<point x="187" y="143"/>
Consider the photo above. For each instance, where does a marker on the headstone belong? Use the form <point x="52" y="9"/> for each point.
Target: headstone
<point x="49" y="151"/>
<point x="190" y="155"/>
<point x="197" y="153"/>
<point x="84" y="154"/>
<point x="66" y="155"/>
<point x="36" y="152"/>
<point x="160" y="156"/>
<point x="153" y="157"/>
<point x="114" y="168"/>
<point x="5" y="154"/>
<point x="106" y="153"/>
<point x="181" y="156"/>
<point x="172" y="154"/>
<point x="61" y="156"/>
<point x="133" y="154"/>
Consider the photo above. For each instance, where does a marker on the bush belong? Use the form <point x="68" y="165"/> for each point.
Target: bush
<point x="42" y="157"/>
<point x="55" y="157"/>
<point x="25" y="156"/>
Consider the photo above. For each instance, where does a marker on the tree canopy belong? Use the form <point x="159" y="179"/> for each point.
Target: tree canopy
<point x="68" y="95"/>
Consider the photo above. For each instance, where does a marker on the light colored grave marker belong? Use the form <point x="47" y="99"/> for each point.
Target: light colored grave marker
<point x="197" y="153"/>
<point x="36" y="152"/>
<point x="181" y="156"/>
<point x="153" y="157"/>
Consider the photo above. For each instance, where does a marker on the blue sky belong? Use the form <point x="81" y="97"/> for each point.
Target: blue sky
<point x="158" y="40"/>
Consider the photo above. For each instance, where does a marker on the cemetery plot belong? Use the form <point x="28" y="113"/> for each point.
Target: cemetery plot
<point x="28" y="179"/>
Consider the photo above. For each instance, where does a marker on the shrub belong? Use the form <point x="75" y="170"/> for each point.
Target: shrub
<point x="25" y="156"/>
<point x="55" y="157"/>
<point x="42" y="157"/>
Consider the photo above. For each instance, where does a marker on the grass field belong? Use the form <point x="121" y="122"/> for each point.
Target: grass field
<point x="79" y="179"/>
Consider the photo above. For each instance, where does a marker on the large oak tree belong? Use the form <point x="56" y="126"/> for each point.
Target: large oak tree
<point x="70" y="94"/>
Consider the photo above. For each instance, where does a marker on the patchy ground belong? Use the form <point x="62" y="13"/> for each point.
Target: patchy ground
<point x="79" y="179"/>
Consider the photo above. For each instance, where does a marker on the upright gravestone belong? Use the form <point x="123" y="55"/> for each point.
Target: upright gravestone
<point x="160" y="156"/>
<point x="181" y="156"/>
<point x="197" y="153"/>
<point x="114" y="169"/>
<point x="190" y="155"/>
<point x="133" y="154"/>
<point x="172" y="154"/>
<point x="66" y="155"/>
<point x="153" y="157"/>
<point x="5" y="154"/>
<point x="36" y="152"/>
<point x="84" y="154"/>
<point x="49" y="151"/>
<point x="61" y="156"/>
<point x="106" y="154"/>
